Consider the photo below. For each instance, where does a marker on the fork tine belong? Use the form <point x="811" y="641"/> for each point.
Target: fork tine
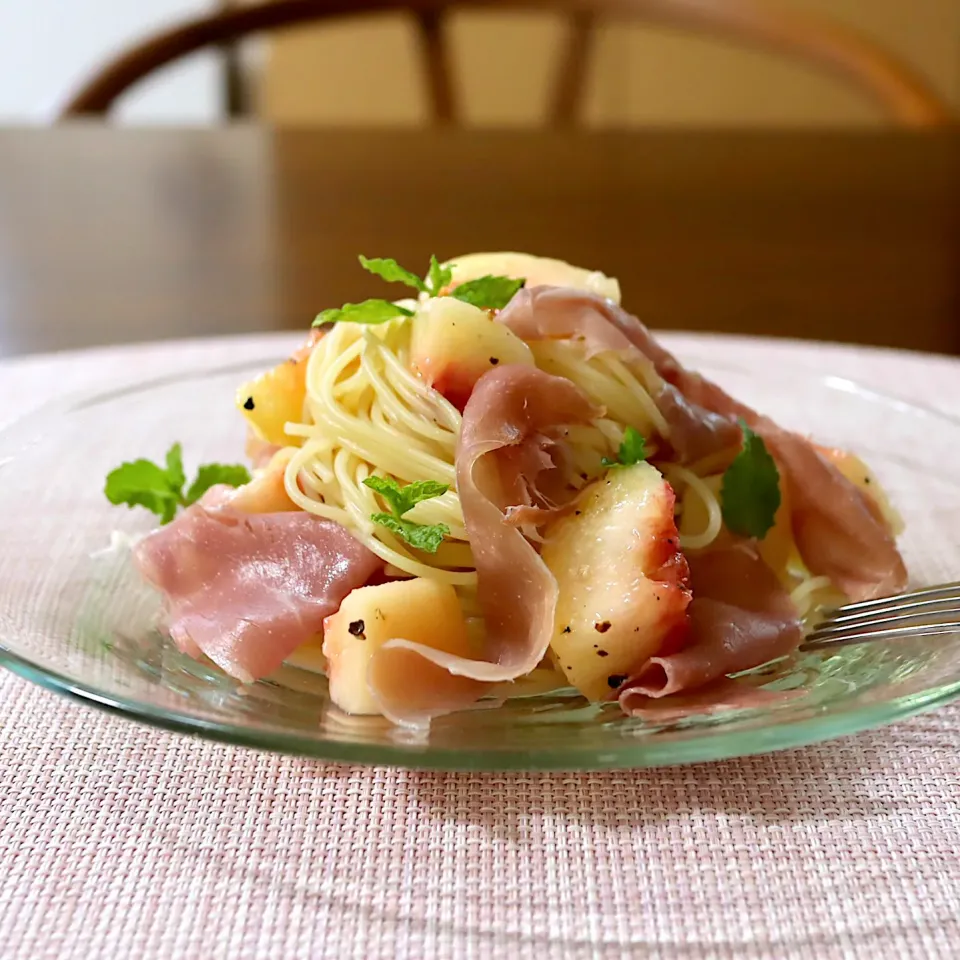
<point x="818" y="641"/>
<point x="944" y="591"/>
<point x="890" y="623"/>
<point x="912" y="608"/>
<point x="933" y="611"/>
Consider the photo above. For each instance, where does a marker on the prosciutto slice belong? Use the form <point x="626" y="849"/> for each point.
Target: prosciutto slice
<point x="740" y="617"/>
<point x="556" y="313"/>
<point x="509" y="423"/>
<point x="840" y="532"/>
<point x="836" y="527"/>
<point x="248" y="589"/>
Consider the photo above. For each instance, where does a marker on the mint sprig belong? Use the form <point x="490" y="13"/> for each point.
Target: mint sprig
<point x="633" y="449"/>
<point x="210" y="474"/>
<point x="143" y="483"/>
<point x="369" y="311"/>
<point x="750" y="490"/>
<point x="426" y="537"/>
<point x="487" y="293"/>
<point x="438" y="277"/>
<point x="388" y="269"/>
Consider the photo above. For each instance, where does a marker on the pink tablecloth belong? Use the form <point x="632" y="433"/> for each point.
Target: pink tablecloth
<point x="121" y="841"/>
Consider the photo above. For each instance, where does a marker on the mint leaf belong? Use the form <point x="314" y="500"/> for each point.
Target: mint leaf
<point x="438" y="277"/>
<point x="169" y="510"/>
<point x="750" y="492"/>
<point x="369" y="311"/>
<point x="141" y="483"/>
<point x="426" y="537"/>
<point x="210" y="474"/>
<point x="175" y="475"/>
<point x="392" y="272"/>
<point x="423" y="536"/>
<point x="405" y="498"/>
<point x="389" y="489"/>
<point x="488" y="293"/>
<point x="633" y="449"/>
<point x="414" y="493"/>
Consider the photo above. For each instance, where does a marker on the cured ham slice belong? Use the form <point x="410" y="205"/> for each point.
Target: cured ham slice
<point x="555" y="313"/>
<point x="741" y="616"/>
<point x="840" y="531"/>
<point x="836" y="526"/>
<point x="247" y="590"/>
<point x="509" y="423"/>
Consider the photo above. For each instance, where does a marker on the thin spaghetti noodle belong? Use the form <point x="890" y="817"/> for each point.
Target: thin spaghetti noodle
<point x="367" y="413"/>
<point x="812" y="595"/>
<point x="689" y="484"/>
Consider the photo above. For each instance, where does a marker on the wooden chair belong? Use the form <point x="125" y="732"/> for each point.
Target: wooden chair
<point x="904" y="94"/>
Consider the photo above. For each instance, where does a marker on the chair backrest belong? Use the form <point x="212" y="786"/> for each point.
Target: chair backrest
<point x="900" y="90"/>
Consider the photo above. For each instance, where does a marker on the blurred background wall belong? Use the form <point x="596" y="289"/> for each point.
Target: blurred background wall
<point x="47" y="46"/>
<point x="367" y="72"/>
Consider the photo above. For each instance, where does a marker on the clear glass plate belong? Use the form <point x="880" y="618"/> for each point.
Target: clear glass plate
<point x="81" y="623"/>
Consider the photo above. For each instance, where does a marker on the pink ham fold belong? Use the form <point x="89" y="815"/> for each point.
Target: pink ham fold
<point x="740" y="617"/>
<point x="836" y="527"/>
<point x="247" y="590"/>
<point x="555" y="313"/>
<point x="509" y="423"/>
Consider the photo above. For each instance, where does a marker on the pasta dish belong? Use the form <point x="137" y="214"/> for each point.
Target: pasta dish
<point x="502" y="484"/>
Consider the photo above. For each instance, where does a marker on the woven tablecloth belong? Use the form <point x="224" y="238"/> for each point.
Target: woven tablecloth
<point x="117" y="840"/>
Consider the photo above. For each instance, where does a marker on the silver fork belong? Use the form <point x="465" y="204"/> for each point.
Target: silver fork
<point x="932" y="612"/>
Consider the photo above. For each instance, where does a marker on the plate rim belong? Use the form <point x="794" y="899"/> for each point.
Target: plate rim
<point x="790" y="735"/>
<point x="808" y="732"/>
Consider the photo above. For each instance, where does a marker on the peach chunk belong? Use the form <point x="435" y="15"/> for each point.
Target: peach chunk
<point x="624" y="584"/>
<point x="424" y="611"/>
<point x="453" y="344"/>
<point x="276" y="397"/>
<point x="859" y="474"/>
<point x="537" y="271"/>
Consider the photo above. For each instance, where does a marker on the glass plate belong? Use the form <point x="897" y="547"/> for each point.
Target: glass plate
<point x="76" y="619"/>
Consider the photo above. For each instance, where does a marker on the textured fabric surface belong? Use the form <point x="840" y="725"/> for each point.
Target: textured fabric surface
<point x="121" y="841"/>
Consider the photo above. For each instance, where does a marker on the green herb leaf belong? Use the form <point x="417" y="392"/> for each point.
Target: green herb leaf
<point x="405" y="498"/>
<point x="423" y="536"/>
<point x="369" y="311"/>
<point x="175" y="473"/>
<point x="437" y="277"/>
<point x="210" y="474"/>
<point x="168" y="512"/>
<point x="633" y="449"/>
<point x="488" y="293"/>
<point x="426" y="537"/>
<point x="750" y="492"/>
<point x="389" y="489"/>
<point x="143" y="483"/>
<point x="392" y="272"/>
